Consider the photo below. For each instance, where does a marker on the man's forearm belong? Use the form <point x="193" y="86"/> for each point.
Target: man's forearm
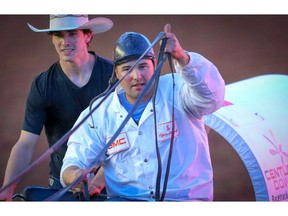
<point x="70" y="174"/>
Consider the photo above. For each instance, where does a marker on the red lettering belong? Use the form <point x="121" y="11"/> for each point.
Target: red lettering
<point x="118" y="142"/>
<point x="122" y="141"/>
<point x="267" y="176"/>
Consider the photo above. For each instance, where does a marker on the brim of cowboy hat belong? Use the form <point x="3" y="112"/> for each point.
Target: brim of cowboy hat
<point x="96" y="25"/>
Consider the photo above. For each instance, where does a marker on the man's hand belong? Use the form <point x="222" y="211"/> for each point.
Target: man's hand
<point x="174" y="48"/>
<point x="97" y="183"/>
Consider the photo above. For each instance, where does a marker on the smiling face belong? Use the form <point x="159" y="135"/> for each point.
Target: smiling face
<point x="71" y="45"/>
<point x="134" y="83"/>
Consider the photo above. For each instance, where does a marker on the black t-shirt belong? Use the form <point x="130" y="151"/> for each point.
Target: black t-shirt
<point x="55" y="103"/>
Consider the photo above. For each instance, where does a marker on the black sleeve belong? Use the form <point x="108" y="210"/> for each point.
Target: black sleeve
<point x="35" y="114"/>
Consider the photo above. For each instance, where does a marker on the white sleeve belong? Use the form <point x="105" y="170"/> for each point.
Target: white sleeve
<point x="80" y="152"/>
<point x="204" y="90"/>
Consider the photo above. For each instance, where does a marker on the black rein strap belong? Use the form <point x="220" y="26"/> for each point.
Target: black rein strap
<point x="159" y="173"/>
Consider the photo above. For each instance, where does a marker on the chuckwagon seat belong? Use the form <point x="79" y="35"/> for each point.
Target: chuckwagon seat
<point x="38" y="193"/>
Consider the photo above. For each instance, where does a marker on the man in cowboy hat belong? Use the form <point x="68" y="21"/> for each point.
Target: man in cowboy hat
<point x="59" y="94"/>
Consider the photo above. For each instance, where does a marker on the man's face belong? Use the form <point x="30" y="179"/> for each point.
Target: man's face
<point x="134" y="83"/>
<point x="70" y="45"/>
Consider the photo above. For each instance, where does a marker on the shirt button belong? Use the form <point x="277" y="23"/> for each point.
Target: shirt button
<point x="140" y="132"/>
<point x="145" y="160"/>
<point x="150" y="187"/>
<point x="151" y="110"/>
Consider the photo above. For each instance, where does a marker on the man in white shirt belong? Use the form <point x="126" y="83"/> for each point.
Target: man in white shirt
<point x="135" y="162"/>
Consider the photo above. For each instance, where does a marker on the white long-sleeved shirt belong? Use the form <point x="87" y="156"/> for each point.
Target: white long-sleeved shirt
<point x="130" y="163"/>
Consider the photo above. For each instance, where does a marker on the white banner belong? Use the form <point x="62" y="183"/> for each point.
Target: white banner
<point x="254" y="120"/>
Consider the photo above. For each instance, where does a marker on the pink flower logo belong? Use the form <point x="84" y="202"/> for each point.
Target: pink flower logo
<point x="277" y="148"/>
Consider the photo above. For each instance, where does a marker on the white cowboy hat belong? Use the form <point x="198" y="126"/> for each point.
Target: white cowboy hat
<point x="65" y="22"/>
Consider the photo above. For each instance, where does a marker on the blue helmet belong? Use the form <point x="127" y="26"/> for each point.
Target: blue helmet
<point x="130" y="46"/>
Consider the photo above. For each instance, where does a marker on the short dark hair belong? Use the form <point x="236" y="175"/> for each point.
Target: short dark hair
<point x="85" y="31"/>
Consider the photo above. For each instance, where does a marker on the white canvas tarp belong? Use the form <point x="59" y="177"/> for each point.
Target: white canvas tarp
<point x="254" y="120"/>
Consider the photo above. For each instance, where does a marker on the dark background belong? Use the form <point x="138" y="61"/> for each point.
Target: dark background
<point x="241" y="46"/>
